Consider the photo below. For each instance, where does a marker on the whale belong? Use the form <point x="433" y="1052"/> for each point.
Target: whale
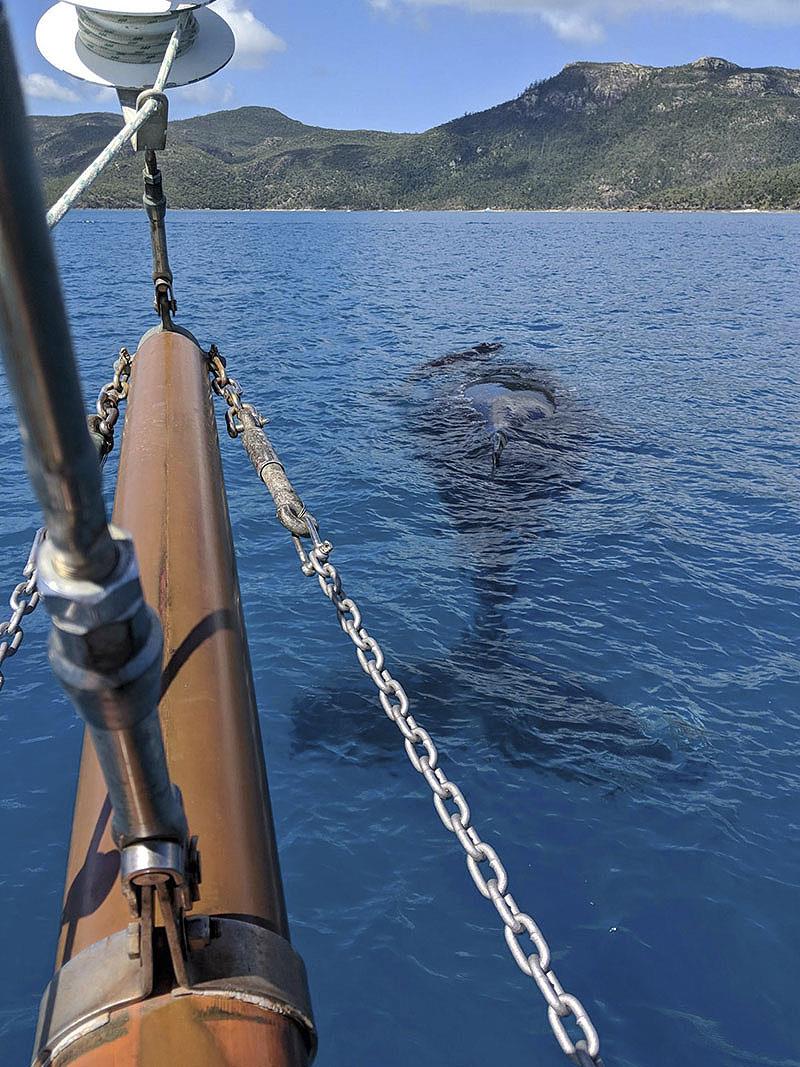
<point x="507" y="408"/>
<point x="505" y="400"/>
<point x="528" y="709"/>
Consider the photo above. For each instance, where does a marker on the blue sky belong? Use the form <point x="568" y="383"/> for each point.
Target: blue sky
<point x="409" y="64"/>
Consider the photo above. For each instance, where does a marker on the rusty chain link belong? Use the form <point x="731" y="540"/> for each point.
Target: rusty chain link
<point x="111" y="396"/>
<point x="423" y="755"/>
<point x="25" y="599"/>
<point x="231" y="392"/>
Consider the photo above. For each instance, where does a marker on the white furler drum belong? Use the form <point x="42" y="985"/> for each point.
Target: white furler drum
<point x="121" y="43"/>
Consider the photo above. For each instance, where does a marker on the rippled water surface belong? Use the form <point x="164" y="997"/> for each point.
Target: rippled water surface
<point x="604" y="635"/>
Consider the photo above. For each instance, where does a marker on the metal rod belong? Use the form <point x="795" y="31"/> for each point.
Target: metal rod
<point x="155" y="204"/>
<point x="37" y="347"/>
<point x="84" y="181"/>
<point x="105" y="645"/>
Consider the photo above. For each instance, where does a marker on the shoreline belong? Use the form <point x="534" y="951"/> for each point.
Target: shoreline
<point x="466" y="210"/>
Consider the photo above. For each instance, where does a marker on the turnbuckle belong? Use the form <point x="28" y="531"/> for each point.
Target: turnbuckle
<point x="155" y="204"/>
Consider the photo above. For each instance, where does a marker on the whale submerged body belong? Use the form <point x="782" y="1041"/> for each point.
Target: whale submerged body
<point x="560" y="719"/>
<point x="530" y="710"/>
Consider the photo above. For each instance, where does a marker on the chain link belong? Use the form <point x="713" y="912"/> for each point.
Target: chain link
<point x="111" y="396"/>
<point x="483" y="863"/>
<point x="231" y="392"/>
<point x="23" y="601"/>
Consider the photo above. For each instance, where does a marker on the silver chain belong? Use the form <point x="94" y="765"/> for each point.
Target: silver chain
<point x="480" y="856"/>
<point x="424" y="758"/>
<point x="22" y="602"/>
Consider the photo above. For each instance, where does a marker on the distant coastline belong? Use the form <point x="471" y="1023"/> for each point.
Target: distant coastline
<point x="709" y="135"/>
<point x="459" y="210"/>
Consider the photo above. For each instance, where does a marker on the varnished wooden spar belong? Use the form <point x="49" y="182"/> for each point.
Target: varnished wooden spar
<point x="171" y="498"/>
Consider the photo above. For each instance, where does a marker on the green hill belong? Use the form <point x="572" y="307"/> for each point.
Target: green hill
<point x="598" y="135"/>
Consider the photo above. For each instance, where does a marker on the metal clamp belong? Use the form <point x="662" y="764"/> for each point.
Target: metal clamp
<point x="153" y="131"/>
<point x="235" y="958"/>
<point x="227" y="958"/>
<point x="86" y="990"/>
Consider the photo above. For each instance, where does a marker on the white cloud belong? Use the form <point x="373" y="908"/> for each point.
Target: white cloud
<point x="572" y="25"/>
<point x="205" y="92"/>
<point x="254" y="40"/>
<point x="43" y="87"/>
<point x="585" y="20"/>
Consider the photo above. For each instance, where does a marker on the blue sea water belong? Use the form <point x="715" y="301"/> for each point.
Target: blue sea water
<point x="603" y="637"/>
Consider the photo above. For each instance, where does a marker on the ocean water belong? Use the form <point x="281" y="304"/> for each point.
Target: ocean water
<point x="603" y="637"/>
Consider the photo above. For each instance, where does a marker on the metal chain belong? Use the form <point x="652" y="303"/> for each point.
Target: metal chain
<point x="424" y="758"/>
<point x="25" y="598"/>
<point x="231" y="392"/>
<point x="457" y="818"/>
<point x="111" y="396"/>
<point x="22" y="601"/>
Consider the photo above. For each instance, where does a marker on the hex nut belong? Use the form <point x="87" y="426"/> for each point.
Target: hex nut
<point x="78" y="605"/>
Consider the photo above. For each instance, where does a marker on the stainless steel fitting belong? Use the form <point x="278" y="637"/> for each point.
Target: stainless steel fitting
<point x="153" y="134"/>
<point x="106" y="648"/>
<point x="152" y="863"/>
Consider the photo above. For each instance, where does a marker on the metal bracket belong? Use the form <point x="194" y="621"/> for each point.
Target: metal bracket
<point x="227" y="958"/>
<point x="153" y="134"/>
<point x="172" y="871"/>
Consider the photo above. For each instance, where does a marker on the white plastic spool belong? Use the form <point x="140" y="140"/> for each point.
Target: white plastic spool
<point x="66" y="46"/>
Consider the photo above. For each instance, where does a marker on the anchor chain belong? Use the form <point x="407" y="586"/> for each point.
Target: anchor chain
<point x="449" y="801"/>
<point x="246" y="422"/>
<point x="231" y="392"/>
<point x="481" y="857"/>
<point x="23" y="601"/>
<point x="25" y="598"/>
<point x="111" y="396"/>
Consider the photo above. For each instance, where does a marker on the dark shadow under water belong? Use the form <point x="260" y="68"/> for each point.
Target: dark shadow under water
<point x="528" y="712"/>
